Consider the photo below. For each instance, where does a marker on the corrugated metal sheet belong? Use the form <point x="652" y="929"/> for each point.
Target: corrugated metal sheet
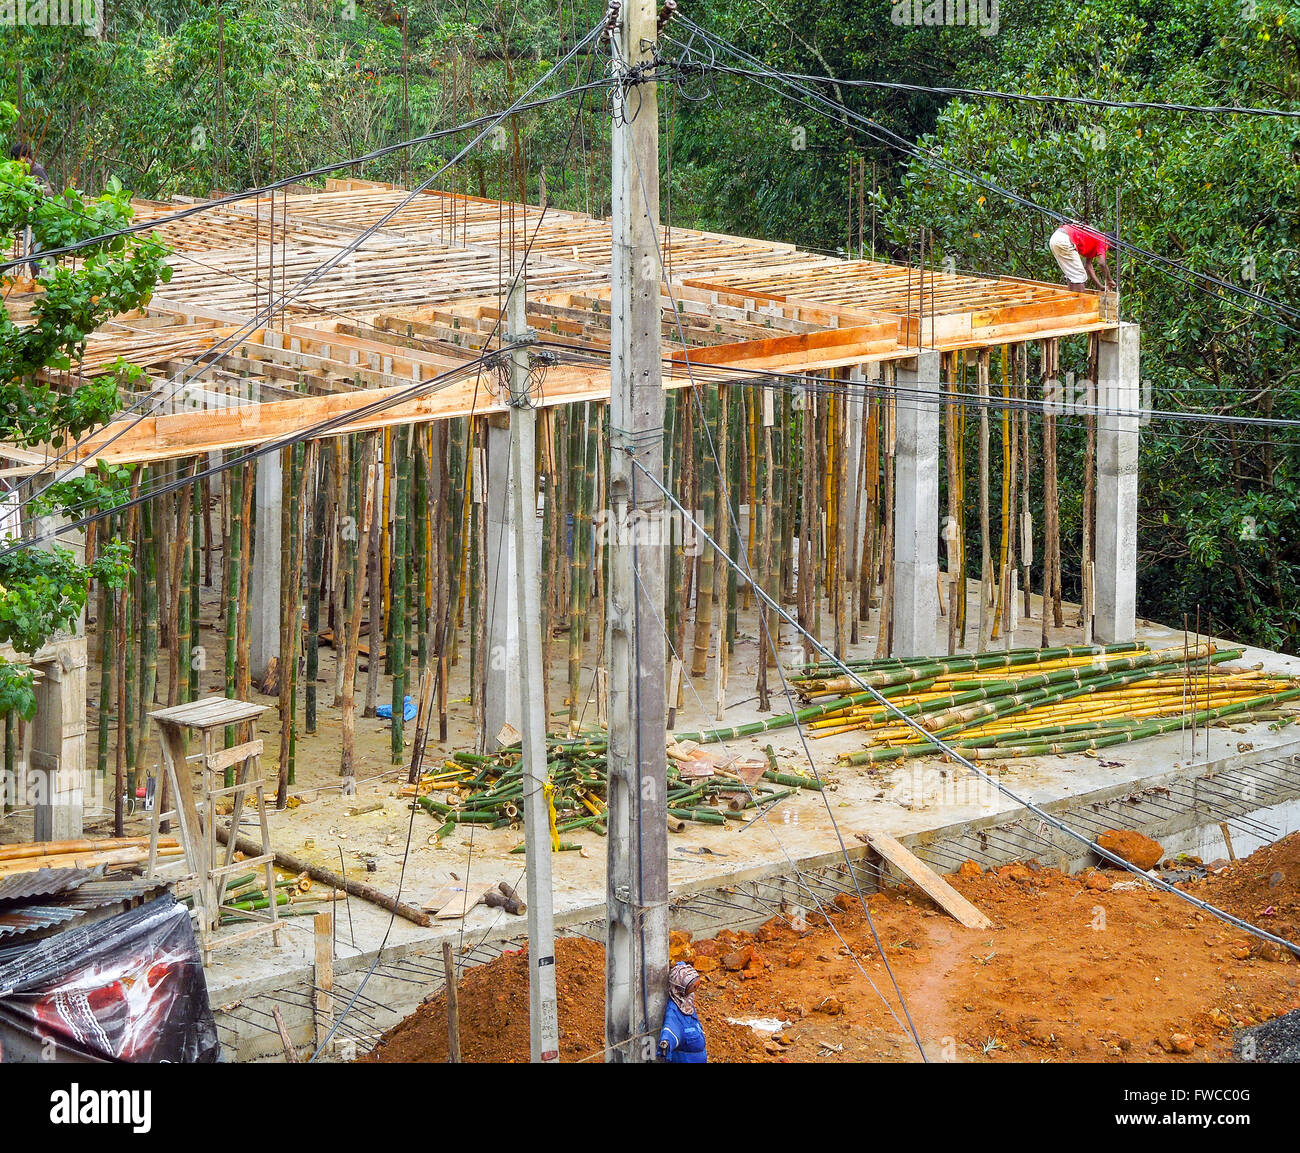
<point x="43" y="882"/>
<point x="29" y="918"/>
<point x="108" y="891"/>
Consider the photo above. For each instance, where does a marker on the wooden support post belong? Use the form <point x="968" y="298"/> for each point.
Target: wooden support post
<point x="453" y="1004"/>
<point x="323" y="999"/>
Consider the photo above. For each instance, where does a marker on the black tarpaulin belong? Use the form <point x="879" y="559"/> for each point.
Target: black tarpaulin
<point x="128" y="988"/>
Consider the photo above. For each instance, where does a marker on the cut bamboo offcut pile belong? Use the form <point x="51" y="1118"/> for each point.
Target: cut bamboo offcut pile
<point x="488" y="790"/>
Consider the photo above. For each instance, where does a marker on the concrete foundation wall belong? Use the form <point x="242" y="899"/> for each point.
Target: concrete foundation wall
<point x="1180" y="808"/>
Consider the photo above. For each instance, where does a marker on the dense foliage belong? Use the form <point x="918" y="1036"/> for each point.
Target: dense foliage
<point x="43" y="585"/>
<point x="184" y="96"/>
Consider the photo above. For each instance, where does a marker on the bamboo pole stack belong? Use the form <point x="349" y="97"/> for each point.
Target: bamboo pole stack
<point x="488" y="789"/>
<point x="82" y="854"/>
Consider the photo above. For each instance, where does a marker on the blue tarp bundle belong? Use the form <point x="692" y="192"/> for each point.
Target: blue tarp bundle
<point x="408" y="710"/>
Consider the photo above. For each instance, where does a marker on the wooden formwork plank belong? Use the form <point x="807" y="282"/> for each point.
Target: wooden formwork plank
<point x="926" y="879"/>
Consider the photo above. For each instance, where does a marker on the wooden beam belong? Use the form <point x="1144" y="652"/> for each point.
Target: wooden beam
<point x="803" y="351"/>
<point x="926" y="879"/>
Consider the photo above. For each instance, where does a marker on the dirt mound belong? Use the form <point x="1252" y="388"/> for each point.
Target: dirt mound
<point x="1263" y="888"/>
<point x="1067" y="973"/>
<point x="1072" y="970"/>
<point x="494" y="1014"/>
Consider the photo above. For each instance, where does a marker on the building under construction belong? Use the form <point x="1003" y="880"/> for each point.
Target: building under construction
<point x="329" y="528"/>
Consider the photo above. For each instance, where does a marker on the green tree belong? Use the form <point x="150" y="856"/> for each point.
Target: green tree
<point x="43" y="586"/>
<point x="1220" y="504"/>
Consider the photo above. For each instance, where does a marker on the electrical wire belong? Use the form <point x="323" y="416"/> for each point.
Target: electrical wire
<point x="1030" y="97"/>
<point x="578" y="46"/>
<point x="157" y="222"/>
<point x="942" y="748"/>
<point x="885" y="135"/>
<point x="765" y="816"/>
<point x="928" y="393"/>
<point x="306" y="281"/>
<point x="726" y="499"/>
<point x="311" y="432"/>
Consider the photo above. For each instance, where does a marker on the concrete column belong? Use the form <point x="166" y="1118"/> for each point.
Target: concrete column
<point x="56" y="738"/>
<point x="56" y="753"/>
<point x="916" y="506"/>
<point x="501" y="703"/>
<point x="1118" y="391"/>
<point x="264" y="580"/>
<point x="854" y="504"/>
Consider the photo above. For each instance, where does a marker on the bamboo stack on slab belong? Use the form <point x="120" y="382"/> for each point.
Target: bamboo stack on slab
<point x="83" y="854"/>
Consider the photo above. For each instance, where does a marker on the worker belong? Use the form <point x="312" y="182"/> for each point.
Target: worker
<point x="681" y="1041"/>
<point x="1075" y="248"/>
<point x="22" y="152"/>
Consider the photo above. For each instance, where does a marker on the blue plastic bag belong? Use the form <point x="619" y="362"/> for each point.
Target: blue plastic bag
<point x="408" y="710"/>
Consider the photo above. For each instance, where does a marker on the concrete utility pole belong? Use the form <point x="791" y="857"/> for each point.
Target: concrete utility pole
<point x="637" y="876"/>
<point x="543" y="1021"/>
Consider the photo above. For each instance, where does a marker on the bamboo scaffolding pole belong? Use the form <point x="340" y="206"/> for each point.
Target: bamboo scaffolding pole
<point x="374" y="577"/>
<point x="321" y="485"/>
<point x="889" y="428"/>
<point x="722" y="534"/>
<point x="986" y="530"/>
<point x="362" y="493"/>
<point x="704" y="583"/>
<point x="397" y="588"/>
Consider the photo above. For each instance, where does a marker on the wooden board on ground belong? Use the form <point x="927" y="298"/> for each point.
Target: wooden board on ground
<point x="454" y="901"/>
<point x="926" y="879"/>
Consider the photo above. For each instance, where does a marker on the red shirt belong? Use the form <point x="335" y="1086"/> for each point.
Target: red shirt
<point x="1087" y="243"/>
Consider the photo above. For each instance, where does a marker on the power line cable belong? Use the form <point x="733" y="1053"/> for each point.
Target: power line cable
<point x="306" y="281"/>
<point x="157" y="222"/>
<point x="311" y="432"/>
<point x="725" y="496"/>
<point x="450" y="615"/>
<point x="942" y="748"/>
<point x="765" y="815"/>
<point x="1030" y="97"/>
<point x="885" y="135"/>
<point x="930" y="393"/>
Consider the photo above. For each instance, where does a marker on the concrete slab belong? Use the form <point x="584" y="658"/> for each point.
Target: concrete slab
<point x="730" y="874"/>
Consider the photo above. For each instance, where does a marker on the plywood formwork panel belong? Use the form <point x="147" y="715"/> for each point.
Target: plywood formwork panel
<point x="424" y="292"/>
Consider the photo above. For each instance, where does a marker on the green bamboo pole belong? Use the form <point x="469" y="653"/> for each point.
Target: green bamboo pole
<point x="423" y="543"/>
<point x="11" y="774"/>
<point x="734" y="463"/>
<point x="580" y="577"/>
<point x="704" y="584"/>
<point x="231" y="574"/>
<point x="972" y="661"/>
<point x="106" y="605"/>
<point x="1152" y="728"/>
<point x="314" y="578"/>
<point x="397" y="592"/>
<point x="786" y="720"/>
<point x="305" y="458"/>
<point x="672" y="470"/>
<point x="195" y="634"/>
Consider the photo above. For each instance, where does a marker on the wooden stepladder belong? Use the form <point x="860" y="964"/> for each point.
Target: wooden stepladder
<point x="196" y="815"/>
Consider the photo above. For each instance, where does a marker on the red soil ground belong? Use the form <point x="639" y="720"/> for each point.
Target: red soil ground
<point x="1076" y="968"/>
